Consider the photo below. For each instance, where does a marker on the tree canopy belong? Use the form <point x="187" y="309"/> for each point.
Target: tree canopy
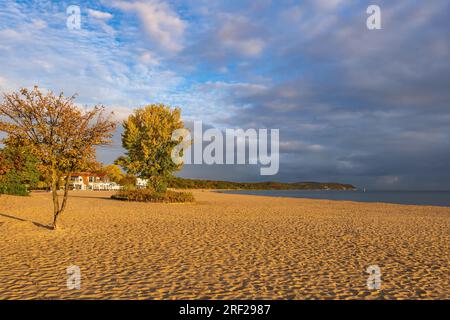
<point x="114" y="173"/>
<point x="60" y="134"/>
<point x="148" y="140"/>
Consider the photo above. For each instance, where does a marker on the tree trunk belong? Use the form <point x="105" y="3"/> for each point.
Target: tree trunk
<point x="66" y="192"/>
<point x="59" y="210"/>
<point x="55" y="197"/>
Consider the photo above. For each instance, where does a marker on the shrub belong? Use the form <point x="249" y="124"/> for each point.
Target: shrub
<point x="148" y="195"/>
<point x="129" y="187"/>
<point x="15" y="189"/>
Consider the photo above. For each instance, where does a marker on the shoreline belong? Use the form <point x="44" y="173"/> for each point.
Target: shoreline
<point x="244" y="192"/>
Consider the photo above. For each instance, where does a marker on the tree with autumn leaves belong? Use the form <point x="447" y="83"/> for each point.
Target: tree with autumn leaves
<point x="147" y="138"/>
<point x="61" y="138"/>
<point x="57" y="132"/>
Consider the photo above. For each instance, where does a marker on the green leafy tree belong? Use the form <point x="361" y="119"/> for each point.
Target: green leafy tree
<point x="128" y="182"/>
<point x="18" y="170"/>
<point x="114" y="173"/>
<point x="147" y="138"/>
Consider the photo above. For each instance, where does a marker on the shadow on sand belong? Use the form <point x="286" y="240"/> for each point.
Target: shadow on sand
<point x="89" y="197"/>
<point x="37" y="224"/>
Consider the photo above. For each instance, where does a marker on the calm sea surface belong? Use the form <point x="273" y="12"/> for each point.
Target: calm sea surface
<point x="432" y="198"/>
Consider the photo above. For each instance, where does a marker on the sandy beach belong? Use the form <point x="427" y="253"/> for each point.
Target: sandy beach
<point x="222" y="247"/>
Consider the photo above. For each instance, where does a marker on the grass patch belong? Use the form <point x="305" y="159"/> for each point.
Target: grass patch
<point x="148" y="195"/>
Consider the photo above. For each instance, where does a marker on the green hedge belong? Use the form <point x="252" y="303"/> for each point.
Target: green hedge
<point x="15" y="189"/>
<point x="148" y="195"/>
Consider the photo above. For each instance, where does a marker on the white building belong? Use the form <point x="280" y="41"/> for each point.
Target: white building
<point x="92" y="181"/>
<point x="141" y="183"/>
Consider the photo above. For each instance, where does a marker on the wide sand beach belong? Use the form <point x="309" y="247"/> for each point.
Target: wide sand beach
<point x="222" y="247"/>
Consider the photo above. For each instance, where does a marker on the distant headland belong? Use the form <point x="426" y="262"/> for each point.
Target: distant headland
<point x="182" y="183"/>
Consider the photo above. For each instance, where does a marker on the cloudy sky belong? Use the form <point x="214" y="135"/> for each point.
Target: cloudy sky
<point x="368" y="107"/>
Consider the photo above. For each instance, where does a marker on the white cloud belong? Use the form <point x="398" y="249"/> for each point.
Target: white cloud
<point x="99" y="14"/>
<point x="160" y="22"/>
<point x="119" y="113"/>
<point x="39" y="24"/>
<point x="89" y="62"/>
<point x="3" y="83"/>
<point x="149" y="59"/>
<point x="329" y="4"/>
<point x="233" y="35"/>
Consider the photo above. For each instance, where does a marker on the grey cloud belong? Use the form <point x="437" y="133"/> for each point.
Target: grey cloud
<point x="377" y="102"/>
